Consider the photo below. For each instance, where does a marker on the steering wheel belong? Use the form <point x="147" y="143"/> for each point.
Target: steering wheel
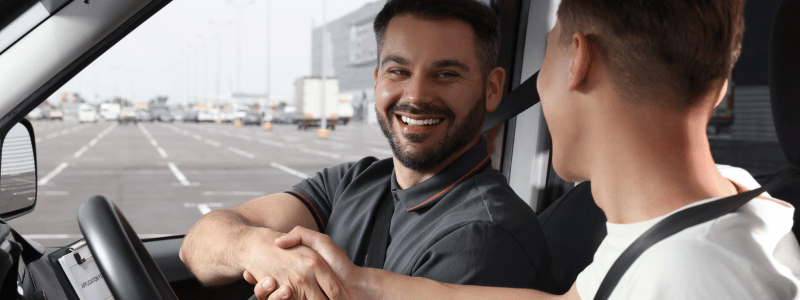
<point x="128" y="269"/>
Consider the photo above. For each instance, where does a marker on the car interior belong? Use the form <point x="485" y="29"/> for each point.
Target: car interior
<point x="44" y="43"/>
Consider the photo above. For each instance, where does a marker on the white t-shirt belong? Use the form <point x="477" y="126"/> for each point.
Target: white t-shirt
<point x="747" y="254"/>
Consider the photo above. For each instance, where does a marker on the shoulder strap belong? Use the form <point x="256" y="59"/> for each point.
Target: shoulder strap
<point x="514" y="103"/>
<point x="678" y="222"/>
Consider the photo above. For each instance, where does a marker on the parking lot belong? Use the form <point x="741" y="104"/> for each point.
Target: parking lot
<point x="164" y="176"/>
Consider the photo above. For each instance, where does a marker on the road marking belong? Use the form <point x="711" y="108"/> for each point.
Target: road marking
<point x="162" y="152"/>
<point x="52" y="174"/>
<point x="94" y="141"/>
<point x="78" y="236"/>
<point x="179" y="175"/>
<point x="233" y="193"/>
<point x="52" y="135"/>
<point x="289" y="170"/>
<point x="272" y="143"/>
<point x="330" y="143"/>
<point x="197" y="137"/>
<point x="54" y="193"/>
<point x="154" y="143"/>
<point x="242" y="153"/>
<point x="291" y="138"/>
<point x="38" y="140"/>
<point x="320" y="153"/>
<point x="80" y="152"/>
<point x="381" y="151"/>
<point x="212" y="143"/>
<point x="244" y="137"/>
<point x="203" y="207"/>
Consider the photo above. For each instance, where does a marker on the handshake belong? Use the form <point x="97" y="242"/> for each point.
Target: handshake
<point x="308" y="265"/>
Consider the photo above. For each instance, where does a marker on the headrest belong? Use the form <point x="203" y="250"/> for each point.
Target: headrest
<point x="784" y="78"/>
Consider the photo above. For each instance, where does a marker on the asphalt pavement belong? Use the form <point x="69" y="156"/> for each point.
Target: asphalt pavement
<point x="164" y="176"/>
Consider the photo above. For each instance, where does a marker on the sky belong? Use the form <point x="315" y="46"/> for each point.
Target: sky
<point x="176" y="53"/>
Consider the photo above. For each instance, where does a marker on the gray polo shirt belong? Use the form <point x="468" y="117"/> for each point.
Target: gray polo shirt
<point x="464" y="225"/>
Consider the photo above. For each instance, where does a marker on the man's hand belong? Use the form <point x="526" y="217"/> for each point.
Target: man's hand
<point x="336" y="257"/>
<point x="302" y="270"/>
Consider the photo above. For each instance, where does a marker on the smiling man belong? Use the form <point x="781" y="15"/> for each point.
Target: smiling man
<point x="449" y="215"/>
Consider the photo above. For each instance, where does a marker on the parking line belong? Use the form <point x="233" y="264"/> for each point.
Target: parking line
<point x="241" y="152"/>
<point x="212" y="143"/>
<point x="203" y="207"/>
<point x="94" y="141"/>
<point x="381" y="151"/>
<point x="233" y="193"/>
<point x="272" y="143"/>
<point x="320" y="153"/>
<point x="80" y="152"/>
<point x="179" y="175"/>
<point x="53" y="173"/>
<point x="162" y="152"/>
<point x="289" y="170"/>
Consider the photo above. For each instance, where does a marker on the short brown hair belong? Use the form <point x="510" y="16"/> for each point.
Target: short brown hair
<point x="683" y="45"/>
<point x="480" y="17"/>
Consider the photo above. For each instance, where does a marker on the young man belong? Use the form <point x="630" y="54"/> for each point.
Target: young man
<point x="627" y="88"/>
<point x="454" y="219"/>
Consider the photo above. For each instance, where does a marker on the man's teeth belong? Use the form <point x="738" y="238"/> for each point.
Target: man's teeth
<point x="411" y="121"/>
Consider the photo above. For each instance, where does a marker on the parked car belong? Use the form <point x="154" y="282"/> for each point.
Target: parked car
<point x="56" y="114"/>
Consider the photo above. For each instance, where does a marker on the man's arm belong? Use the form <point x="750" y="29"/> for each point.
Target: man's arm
<point x="226" y="242"/>
<point x="368" y="283"/>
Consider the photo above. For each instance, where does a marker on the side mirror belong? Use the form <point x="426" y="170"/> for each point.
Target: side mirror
<point x="18" y="171"/>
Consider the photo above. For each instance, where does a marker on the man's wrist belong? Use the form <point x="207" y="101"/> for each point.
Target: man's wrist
<point x="252" y="243"/>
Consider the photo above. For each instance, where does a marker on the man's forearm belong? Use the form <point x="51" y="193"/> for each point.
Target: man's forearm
<point x="381" y="284"/>
<point x="213" y="248"/>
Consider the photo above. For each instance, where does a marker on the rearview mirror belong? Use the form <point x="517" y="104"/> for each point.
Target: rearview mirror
<point x="17" y="171"/>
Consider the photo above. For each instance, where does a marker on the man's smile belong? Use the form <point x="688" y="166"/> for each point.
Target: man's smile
<point x="417" y="124"/>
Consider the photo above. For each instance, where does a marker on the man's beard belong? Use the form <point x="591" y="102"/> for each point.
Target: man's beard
<point x="458" y="135"/>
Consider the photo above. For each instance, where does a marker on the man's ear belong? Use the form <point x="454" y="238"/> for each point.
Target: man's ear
<point x="494" y="88"/>
<point x="581" y="61"/>
<point x="722" y="93"/>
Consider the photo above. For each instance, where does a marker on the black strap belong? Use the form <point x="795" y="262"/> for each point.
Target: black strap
<point x="379" y="241"/>
<point x="517" y="101"/>
<point x="678" y="222"/>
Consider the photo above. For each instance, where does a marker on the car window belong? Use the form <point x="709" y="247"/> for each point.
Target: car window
<point x="188" y="120"/>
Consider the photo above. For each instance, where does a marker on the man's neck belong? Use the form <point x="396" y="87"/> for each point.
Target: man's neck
<point x="407" y="178"/>
<point x="646" y="170"/>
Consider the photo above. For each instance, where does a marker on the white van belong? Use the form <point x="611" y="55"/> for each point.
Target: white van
<point x="87" y="113"/>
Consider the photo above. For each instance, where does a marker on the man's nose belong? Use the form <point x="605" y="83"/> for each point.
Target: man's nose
<point x="418" y="90"/>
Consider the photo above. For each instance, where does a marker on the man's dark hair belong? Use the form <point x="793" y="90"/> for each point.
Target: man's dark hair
<point x="482" y="19"/>
<point x="685" y="46"/>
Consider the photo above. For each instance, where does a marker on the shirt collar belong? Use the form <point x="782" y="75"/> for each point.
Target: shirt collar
<point x="429" y="192"/>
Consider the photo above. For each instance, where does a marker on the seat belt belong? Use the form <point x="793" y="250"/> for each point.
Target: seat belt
<point x="379" y="238"/>
<point x="680" y="221"/>
<point x="517" y="101"/>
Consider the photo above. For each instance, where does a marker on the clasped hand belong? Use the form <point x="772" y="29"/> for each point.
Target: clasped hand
<point x="311" y="267"/>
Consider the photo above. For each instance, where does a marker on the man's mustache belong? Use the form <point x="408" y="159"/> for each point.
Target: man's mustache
<point x="425" y="109"/>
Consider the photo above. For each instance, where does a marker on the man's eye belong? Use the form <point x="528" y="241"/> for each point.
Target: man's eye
<point x="399" y="72"/>
<point x="446" y="75"/>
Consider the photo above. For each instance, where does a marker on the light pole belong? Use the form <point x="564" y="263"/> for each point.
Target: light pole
<point x="269" y="48"/>
<point x="239" y="5"/>
<point x="324" y="133"/>
<point x="218" y="35"/>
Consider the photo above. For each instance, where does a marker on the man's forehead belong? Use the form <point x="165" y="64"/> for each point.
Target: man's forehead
<point x="410" y="38"/>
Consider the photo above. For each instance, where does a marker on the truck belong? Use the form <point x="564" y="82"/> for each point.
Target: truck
<point x="308" y="103"/>
<point x="110" y="111"/>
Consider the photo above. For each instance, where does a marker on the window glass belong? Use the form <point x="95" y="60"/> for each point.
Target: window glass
<point x="199" y="108"/>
